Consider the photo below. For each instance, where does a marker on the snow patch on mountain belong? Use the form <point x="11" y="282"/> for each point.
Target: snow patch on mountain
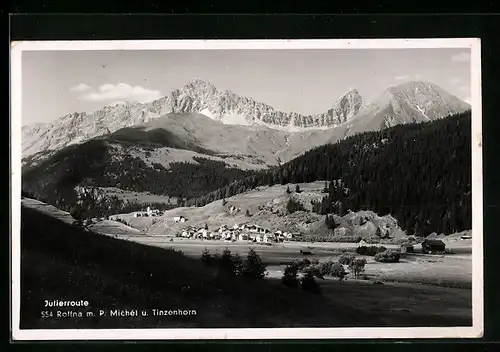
<point x="198" y="96"/>
<point x="407" y="103"/>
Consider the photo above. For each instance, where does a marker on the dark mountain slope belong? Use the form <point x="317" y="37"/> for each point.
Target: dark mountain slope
<point x="95" y="163"/>
<point x="157" y="137"/>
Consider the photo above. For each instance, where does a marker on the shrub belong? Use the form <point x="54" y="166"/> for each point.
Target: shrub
<point x="290" y="276"/>
<point x="371" y="250"/>
<point x="226" y="261"/>
<point x="207" y="258"/>
<point x="237" y="264"/>
<point x="297" y="189"/>
<point x="308" y="283"/>
<point x="337" y="270"/>
<point x="325" y="268"/>
<point x="301" y="264"/>
<point x="253" y="267"/>
<point x="315" y="271"/>
<point x="292" y="206"/>
<point x="330" y="222"/>
<point x="388" y="256"/>
<point x="357" y="266"/>
<point x="346" y="258"/>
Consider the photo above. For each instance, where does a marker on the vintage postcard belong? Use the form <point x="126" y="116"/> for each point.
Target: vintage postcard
<point x="246" y="189"/>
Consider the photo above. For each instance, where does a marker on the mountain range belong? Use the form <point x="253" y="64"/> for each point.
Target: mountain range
<point x="289" y="133"/>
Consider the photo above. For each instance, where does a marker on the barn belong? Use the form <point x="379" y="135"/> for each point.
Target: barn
<point x="433" y="246"/>
<point x="407" y="248"/>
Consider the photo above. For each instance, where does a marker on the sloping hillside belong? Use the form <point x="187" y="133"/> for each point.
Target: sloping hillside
<point x="99" y="164"/>
<point x="267" y="207"/>
<point x="59" y="261"/>
<point x="197" y="132"/>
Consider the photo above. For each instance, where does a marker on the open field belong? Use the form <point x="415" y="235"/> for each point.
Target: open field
<point x="440" y="270"/>
<point x="139" y="197"/>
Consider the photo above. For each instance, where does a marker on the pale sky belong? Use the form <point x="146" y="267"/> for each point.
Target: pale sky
<point x="55" y="83"/>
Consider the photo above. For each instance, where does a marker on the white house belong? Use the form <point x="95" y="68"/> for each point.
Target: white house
<point x="258" y="238"/>
<point x="179" y="219"/>
<point x="252" y="228"/>
<point x="269" y="238"/>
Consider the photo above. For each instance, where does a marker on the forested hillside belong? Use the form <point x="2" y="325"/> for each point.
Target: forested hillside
<point x="420" y="173"/>
<point x="92" y="164"/>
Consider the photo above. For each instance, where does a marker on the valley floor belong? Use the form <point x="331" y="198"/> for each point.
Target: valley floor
<point x="421" y="290"/>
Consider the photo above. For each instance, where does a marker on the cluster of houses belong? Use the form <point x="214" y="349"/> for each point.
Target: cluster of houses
<point x="147" y="213"/>
<point x="249" y="233"/>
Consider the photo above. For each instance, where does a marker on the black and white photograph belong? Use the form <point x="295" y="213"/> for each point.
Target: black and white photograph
<point x="246" y="189"/>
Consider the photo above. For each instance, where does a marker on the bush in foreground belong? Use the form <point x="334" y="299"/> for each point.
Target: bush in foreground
<point x="309" y="284"/>
<point x="226" y="261"/>
<point x="253" y="268"/>
<point x="388" y="256"/>
<point x="371" y="250"/>
<point x="301" y="264"/>
<point x="346" y="258"/>
<point x="315" y="271"/>
<point x="337" y="270"/>
<point x="357" y="266"/>
<point x="290" y="278"/>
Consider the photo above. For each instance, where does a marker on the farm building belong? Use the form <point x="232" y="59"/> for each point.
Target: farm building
<point x="433" y="246"/>
<point x="179" y="219"/>
<point x="407" y="248"/>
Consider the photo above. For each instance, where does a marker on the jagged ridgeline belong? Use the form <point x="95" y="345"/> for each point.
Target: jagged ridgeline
<point x="420" y="173"/>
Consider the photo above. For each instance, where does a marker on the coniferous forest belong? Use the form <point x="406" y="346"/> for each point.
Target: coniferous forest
<point x="419" y="173"/>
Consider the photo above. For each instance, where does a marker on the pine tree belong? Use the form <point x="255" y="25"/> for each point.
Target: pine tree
<point x="290" y="278"/>
<point x="253" y="267"/>
<point x="325" y="189"/>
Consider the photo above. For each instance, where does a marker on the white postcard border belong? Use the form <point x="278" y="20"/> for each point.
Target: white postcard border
<point x="475" y="331"/>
